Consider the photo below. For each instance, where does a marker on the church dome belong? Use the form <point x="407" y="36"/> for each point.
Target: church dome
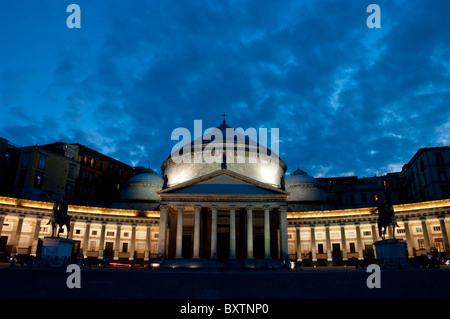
<point x="303" y="187"/>
<point x="142" y="187"/>
<point x="225" y="144"/>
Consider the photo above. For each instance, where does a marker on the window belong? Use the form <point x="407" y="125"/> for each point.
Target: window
<point x="126" y="234"/>
<point x="418" y="229"/>
<point x="375" y="197"/>
<point x="110" y="233"/>
<point x="442" y="176"/>
<point x="26" y="159"/>
<point x="367" y="233"/>
<point x="94" y="233"/>
<point x="69" y="188"/>
<point x="439" y="158"/>
<point x="421" y="243"/>
<point x="92" y="162"/>
<point x="38" y="180"/>
<point x="71" y="172"/>
<point x="352" y="247"/>
<point x="436" y="228"/>
<point x="42" y="161"/>
<point x="352" y="198"/>
<point x="401" y="230"/>
<point x="320" y="248"/>
<point x="77" y="231"/>
<point x="124" y="247"/>
<point x="290" y="237"/>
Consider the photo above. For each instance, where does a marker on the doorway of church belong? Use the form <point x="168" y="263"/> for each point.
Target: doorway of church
<point x="186" y="248"/>
<point x="337" y="251"/>
<point x="223" y="245"/>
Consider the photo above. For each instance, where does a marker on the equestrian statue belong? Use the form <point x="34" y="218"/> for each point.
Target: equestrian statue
<point x="60" y="217"/>
<point x="386" y="217"/>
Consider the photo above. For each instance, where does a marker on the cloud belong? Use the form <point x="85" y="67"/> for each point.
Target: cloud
<point x="347" y="99"/>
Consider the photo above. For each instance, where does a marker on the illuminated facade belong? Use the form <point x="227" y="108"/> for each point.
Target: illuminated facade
<point x="228" y="211"/>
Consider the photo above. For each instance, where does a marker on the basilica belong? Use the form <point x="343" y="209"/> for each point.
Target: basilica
<point x="228" y="212"/>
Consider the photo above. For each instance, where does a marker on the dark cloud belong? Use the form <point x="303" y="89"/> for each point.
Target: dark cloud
<point x="347" y="99"/>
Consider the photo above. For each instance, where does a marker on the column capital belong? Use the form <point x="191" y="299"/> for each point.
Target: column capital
<point x="180" y="206"/>
<point x="266" y="206"/>
<point x="283" y="208"/>
<point x="249" y="207"/>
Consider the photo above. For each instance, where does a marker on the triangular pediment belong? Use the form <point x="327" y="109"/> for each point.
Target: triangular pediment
<point x="224" y="182"/>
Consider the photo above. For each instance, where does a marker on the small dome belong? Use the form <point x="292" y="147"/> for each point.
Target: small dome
<point x="146" y="178"/>
<point x="300" y="177"/>
<point x="304" y="188"/>
<point x="142" y="187"/>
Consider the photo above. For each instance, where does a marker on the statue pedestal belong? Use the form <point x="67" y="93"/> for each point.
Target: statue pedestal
<point x="391" y="253"/>
<point x="56" y="249"/>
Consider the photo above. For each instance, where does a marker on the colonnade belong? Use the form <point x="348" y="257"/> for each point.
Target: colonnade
<point x="232" y="224"/>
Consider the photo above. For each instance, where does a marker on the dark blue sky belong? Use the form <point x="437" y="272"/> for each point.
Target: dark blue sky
<point x="348" y="100"/>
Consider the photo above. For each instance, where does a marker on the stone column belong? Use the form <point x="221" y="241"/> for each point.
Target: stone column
<point x="249" y="232"/>
<point x="359" y="240"/>
<point x="196" y="252"/>
<point x="266" y="232"/>
<point x="327" y="233"/>
<point x="214" y="232"/>
<point x="2" y="219"/>
<point x="283" y="233"/>
<point x="374" y="231"/>
<point x="17" y="234"/>
<point x="162" y="231"/>
<point x="117" y="242"/>
<point x="232" y="232"/>
<point x="425" y="234"/>
<point x="313" y="244"/>
<point x="344" y="243"/>
<point x="86" y="238"/>
<point x="444" y="236"/>
<point x="299" y="246"/>
<point x="72" y="226"/>
<point x="409" y="244"/>
<point x="102" y="241"/>
<point x="35" y="239"/>
<point x="133" y="241"/>
<point x="179" y="247"/>
<point x="147" y="243"/>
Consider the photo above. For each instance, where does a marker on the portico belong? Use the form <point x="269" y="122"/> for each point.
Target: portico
<point x="223" y="215"/>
